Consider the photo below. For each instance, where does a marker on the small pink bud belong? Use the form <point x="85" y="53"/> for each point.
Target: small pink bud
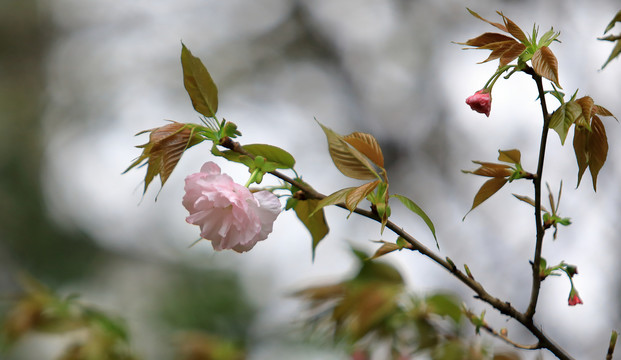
<point x="481" y="101"/>
<point x="574" y="299"/>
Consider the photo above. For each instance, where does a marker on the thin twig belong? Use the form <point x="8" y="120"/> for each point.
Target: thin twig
<point x="540" y="230"/>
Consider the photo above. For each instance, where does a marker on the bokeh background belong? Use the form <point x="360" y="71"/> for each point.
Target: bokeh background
<point x="79" y="78"/>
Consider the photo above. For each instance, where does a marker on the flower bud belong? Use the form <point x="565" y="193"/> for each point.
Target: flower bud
<point x="481" y="101"/>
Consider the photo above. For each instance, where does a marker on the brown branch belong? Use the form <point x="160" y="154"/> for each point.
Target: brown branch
<point x="503" y="307"/>
<point x="540" y="230"/>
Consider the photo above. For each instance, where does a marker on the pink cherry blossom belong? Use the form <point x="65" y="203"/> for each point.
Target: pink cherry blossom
<point x="481" y="101"/>
<point x="228" y="214"/>
<point x="574" y="299"/>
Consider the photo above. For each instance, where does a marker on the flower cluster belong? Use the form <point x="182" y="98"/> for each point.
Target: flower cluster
<point x="229" y="214"/>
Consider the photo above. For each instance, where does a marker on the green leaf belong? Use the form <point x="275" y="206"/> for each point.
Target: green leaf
<point x="564" y="117"/>
<point x="337" y="197"/>
<point x="199" y="84"/>
<point x="271" y="153"/>
<point x="615" y="52"/>
<point x="386" y="248"/>
<point x="445" y="305"/>
<point x="347" y="159"/>
<point x="315" y="223"/>
<point x="411" y="205"/>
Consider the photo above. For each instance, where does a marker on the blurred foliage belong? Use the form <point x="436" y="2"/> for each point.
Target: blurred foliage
<point x="212" y="302"/>
<point x="38" y="309"/>
<point x="373" y="308"/>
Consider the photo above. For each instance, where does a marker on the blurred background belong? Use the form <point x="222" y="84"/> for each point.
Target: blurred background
<point x="80" y="78"/>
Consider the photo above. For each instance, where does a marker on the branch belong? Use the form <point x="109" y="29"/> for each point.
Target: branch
<point x="503" y="307"/>
<point x="540" y="230"/>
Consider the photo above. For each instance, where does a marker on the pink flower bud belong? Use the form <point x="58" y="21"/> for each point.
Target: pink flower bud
<point x="229" y="215"/>
<point x="481" y="101"/>
<point x="574" y="299"/>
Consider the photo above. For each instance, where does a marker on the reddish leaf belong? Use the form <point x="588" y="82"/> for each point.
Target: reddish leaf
<point x="586" y="103"/>
<point x="486" y="39"/>
<point x="347" y="159"/>
<point x="513" y="29"/>
<point x="358" y="194"/>
<point x="597" y="147"/>
<point x="367" y="145"/>
<point x="164" y="149"/>
<point x="497" y="25"/>
<point x="545" y="64"/>
<point x="386" y="248"/>
<point x="580" y="141"/>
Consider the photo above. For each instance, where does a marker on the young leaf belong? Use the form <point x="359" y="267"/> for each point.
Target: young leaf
<point x="199" y="84"/>
<point x="315" y="221"/>
<point x="358" y="194"/>
<point x="489" y="188"/>
<point x="347" y="159"/>
<point x="337" y="197"/>
<point x="615" y="52"/>
<point x="564" y="117"/>
<point x="511" y="156"/>
<point x="513" y="29"/>
<point x="411" y="205"/>
<point x="545" y="64"/>
<point x="497" y="25"/>
<point x="612" y="23"/>
<point x="586" y="103"/>
<point x="281" y="158"/>
<point x="164" y="149"/>
<point x="367" y="145"/>
<point x="507" y="51"/>
<point x="386" y="248"/>
<point x="580" y="149"/>
<point x="597" y="145"/>
<point x="528" y="200"/>
<point x="491" y="170"/>
<point x="487" y="38"/>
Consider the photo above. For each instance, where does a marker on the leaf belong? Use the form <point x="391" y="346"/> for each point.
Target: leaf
<point x="164" y="149"/>
<point x="586" y="103"/>
<point x="614" y="20"/>
<point x="281" y="158"/>
<point x="315" y="223"/>
<point x="386" y="248"/>
<point x="351" y="162"/>
<point x="487" y="39"/>
<point x="355" y="196"/>
<point x="491" y="170"/>
<point x="513" y="29"/>
<point x="528" y="200"/>
<point x="445" y="305"/>
<point x="507" y="51"/>
<point x="489" y="188"/>
<point x="511" y="156"/>
<point x="337" y="197"/>
<point x="545" y="64"/>
<point x="199" y="84"/>
<point x="564" y="117"/>
<point x="580" y="149"/>
<point x="497" y="25"/>
<point x="597" y="146"/>
<point x="367" y="145"/>
<point x="411" y="205"/>
<point x="615" y="52"/>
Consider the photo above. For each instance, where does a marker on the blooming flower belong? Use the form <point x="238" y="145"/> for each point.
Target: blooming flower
<point x="481" y="101"/>
<point x="574" y="299"/>
<point x="229" y="215"/>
